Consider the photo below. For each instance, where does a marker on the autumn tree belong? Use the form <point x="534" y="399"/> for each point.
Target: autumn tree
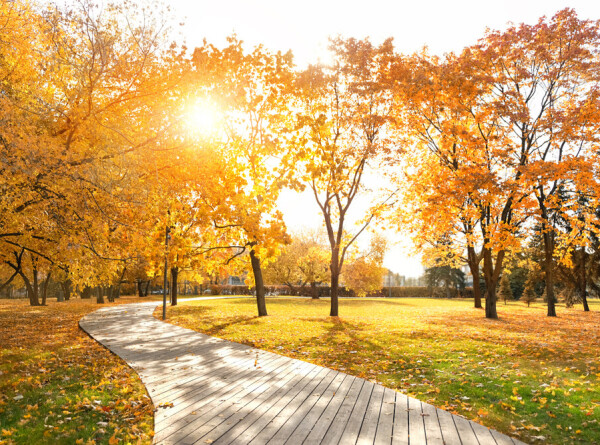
<point x="364" y="271"/>
<point x="529" y="295"/>
<point x="250" y="90"/>
<point x="505" y="291"/>
<point x="344" y="111"/>
<point x="544" y="84"/>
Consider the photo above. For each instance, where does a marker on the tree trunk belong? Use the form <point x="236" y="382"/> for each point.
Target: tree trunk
<point x="110" y="294"/>
<point x="549" y="269"/>
<point x="140" y="289"/>
<point x="45" y="288"/>
<point x="86" y="292"/>
<point x="334" y="267"/>
<point x="583" y="282"/>
<point x="174" y="276"/>
<point x="473" y="263"/>
<point x="314" y="291"/>
<point x="258" y="284"/>
<point x="491" y="281"/>
<point x="66" y="287"/>
<point x="100" y="297"/>
<point x="147" y="288"/>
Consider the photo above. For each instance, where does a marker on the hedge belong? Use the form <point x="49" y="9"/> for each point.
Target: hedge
<point x="324" y="291"/>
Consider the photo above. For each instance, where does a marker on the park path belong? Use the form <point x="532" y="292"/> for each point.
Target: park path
<point x="212" y="391"/>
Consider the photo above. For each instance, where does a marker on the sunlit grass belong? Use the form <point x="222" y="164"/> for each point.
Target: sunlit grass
<point x="527" y="375"/>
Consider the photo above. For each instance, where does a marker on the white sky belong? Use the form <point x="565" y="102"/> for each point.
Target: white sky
<point x="304" y="27"/>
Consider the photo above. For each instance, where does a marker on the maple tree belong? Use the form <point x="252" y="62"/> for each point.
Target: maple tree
<point x="250" y="90"/>
<point x="344" y="111"/>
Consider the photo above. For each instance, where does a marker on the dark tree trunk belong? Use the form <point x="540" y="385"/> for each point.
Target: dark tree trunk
<point x="258" y="284"/>
<point x="86" y="292"/>
<point x="473" y="263"/>
<point x="334" y="267"/>
<point x="174" y="276"/>
<point x="314" y="291"/>
<point x="117" y="293"/>
<point x="583" y="283"/>
<point x="32" y="290"/>
<point x="100" y="295"/>
<point x="140" y="288"/>
<point x="147" y="288"/>
<point x="45" y="288"/>
<point x="110" y="294"/>
<point x="491" y="274"/>
<point x="549" y="270"/>
<point x="66" y="287"/>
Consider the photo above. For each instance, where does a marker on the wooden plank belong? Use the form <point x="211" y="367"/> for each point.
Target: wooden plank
<point x="433" y="432"/>
<point x="310" y="419"/>
<point x="385" y="425"/>
<point x="289" y="424"/>
<point x="233" y="425"/>
<point x="350" y="434"/>
<point x="180" y="421"/>
<point x="336" y="429"/>
<point x="237" y="411"/>
<point x="290" y="408"/>
<point x="400" y="430"/>
<point x="449" y="431"/>
<point x="501" y="439"/>
<point x="320" y="428"/>
<point x="484" y="436"/>
<point x="253" y="424"/>
<point x="416" y="426"/>
<point x="205" y="422"/>
<point x="467" y="436"/>
<point x="370" y="421"/>
<point x="195" y="400"/>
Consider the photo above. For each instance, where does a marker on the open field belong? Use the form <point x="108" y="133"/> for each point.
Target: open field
<point x="526" y="375"/>
<point x="57" y="385"/>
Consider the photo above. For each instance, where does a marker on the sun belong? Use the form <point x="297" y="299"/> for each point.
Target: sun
<point x="204" y="117"/>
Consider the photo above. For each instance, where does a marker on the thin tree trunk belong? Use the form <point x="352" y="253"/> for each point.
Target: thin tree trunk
<point x="583" y="284"/>
<point x="473" y="263"/>
<point x="335" y="281"/>
<point x="110" y="294"/>
<point x="45" y="288"/>
<point x="174" y="277"/>
<point x="258" y="284"/>
<point x="549" y="269"/>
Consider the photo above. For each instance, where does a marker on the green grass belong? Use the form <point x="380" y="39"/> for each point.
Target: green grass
<point x="58" y="386"/>
<point x="526" y="375"/>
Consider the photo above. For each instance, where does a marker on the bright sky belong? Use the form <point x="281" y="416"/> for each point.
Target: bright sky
<point x="304" y="27"/>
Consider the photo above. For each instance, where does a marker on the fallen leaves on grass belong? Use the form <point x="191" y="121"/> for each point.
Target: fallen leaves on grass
<point x="57" y="385"/>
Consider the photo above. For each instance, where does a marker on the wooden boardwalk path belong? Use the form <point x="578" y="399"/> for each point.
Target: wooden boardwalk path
<point x="212" y="391"/>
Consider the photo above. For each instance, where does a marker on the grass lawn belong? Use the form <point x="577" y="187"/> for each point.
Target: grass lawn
<point x="58" y="386"/>
<point x="527" y="375"/>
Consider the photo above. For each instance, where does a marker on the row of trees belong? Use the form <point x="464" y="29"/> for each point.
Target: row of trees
<point x="121" y="149"/>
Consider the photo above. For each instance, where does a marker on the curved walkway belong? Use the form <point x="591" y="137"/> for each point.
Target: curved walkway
<point x="211" y="391"/>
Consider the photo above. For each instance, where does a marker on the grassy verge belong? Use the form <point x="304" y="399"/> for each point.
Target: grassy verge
<point x="57" y="385"/>
<point x="527" y="375"/>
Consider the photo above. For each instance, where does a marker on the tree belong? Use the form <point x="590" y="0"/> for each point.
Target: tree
<point x="344" y="113"/>
<point x="529" y="295"/>
<point x="505" y="291"/>
<point x="364" y="271"/>
<point x="251" y="92"/>
<point x="545" y="86"/>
